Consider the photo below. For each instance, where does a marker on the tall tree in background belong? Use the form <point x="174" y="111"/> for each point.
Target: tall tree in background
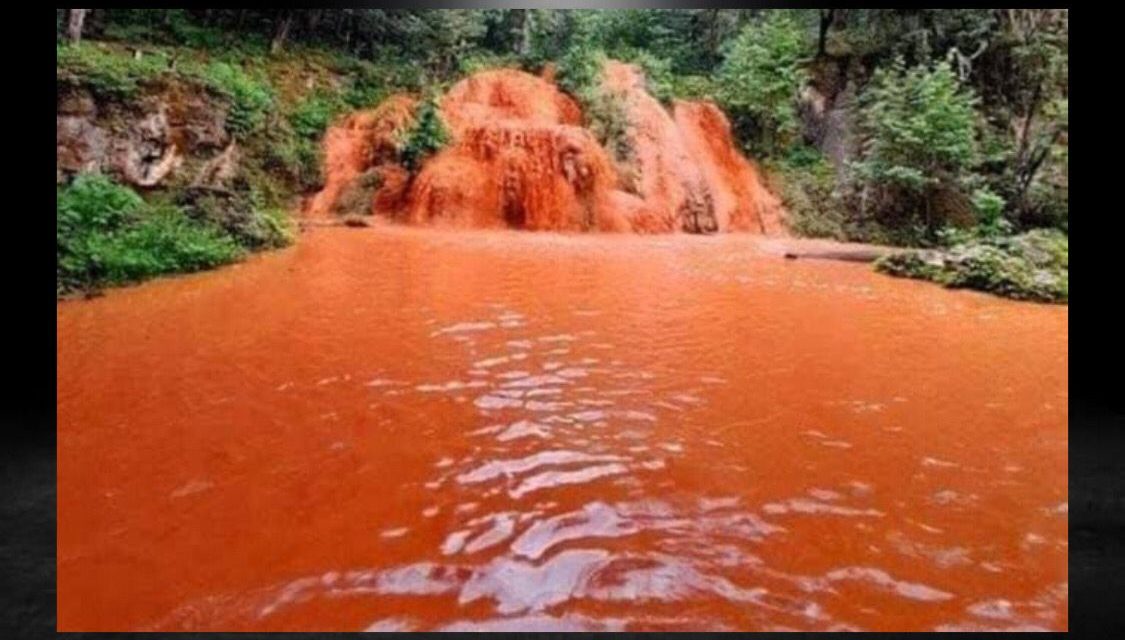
<point x="75" y="20"/>
<point x="284" y="22"/>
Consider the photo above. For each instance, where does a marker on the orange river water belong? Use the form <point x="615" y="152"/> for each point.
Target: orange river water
<point x="409" y="429"/>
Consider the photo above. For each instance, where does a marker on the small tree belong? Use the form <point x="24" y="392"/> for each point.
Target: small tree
<point x="759" y="79"/>
<point x="918" y="130"/>
<point x="425" y="138"/>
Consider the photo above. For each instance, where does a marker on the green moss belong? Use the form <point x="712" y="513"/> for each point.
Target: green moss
<point x="1030" y="266"/>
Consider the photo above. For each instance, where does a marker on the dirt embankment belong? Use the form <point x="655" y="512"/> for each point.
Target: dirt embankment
<point x="520" y="158"/>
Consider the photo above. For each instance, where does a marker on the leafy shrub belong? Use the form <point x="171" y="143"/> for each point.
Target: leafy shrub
<point x="94" y="201"/>
<point x="372" y="82"/>
<point x="759" y="79"/>
<point x="312" y="115"/>
<point x="240" y="213"/>
<point x="482" y="61"/>
<point x="298" y="159"/>
<point x="693" y="87"/>
<point x="184" y="31"/>
<point x="162" y="241"/>
<point x="806" y="183"/>
<point x="607" y="118"/>
<point x="579" y="70"/>
<point x="989" y="210"/>
<point x="251" y="96"/>
<point x="428" y="135"/>
<point x="659" y="79"/>
<point x="1030" y="266"/>
<point x="106" y="72"/>
<point x="105" y="233"/>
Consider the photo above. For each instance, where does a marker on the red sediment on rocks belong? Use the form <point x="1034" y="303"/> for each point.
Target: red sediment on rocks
<point x="520" y="158"/>
<point x="741" y="200"/>
<point x="535" y="177"/>
<point x="500" y="95"/>
<point x="358" y="142"/>
<point x="391" y="196"/>
<point x="665" y="175"/>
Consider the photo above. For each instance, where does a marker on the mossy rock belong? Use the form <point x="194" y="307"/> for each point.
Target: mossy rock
<point x="1031" y="266"/>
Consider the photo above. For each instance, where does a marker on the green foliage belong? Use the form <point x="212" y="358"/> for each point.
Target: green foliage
<point x="607" y="118"/>
<point x="114" y="73"/>
<point x="579" y="71"/>
<point x="693" y="87"/>
<point x="311" y="117"/>
<point x="1031" y="266"/>
<point x="372" y="81"/>
<point x="161" y="241"/>
<point x="240" y="213"/>
<point x="806" y="183"/>
<point x="486" y="60"/>
<point x="106" y="72"/>
<point x="919" y="126"/>
<point x="94" y="201"/>
<point x="989" y="209"/>
<point x="759" y="79"/>
<point x="297" y="158"/>
<point x="106" y="234"/>
<point x="660" y="81"/>
<point x="251" y="95"/>
<point x="428" y="135"/>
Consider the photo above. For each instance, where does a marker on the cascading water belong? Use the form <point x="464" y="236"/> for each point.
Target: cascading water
<point x="519" y="158"/>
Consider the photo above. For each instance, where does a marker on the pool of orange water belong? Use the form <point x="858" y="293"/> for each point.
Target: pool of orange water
<point x="408" y="429"/>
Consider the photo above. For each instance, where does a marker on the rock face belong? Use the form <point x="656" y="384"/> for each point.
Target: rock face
<point x="520" y="158"/>
<point x="825" y="108"/>
<point x="142" y="143"/>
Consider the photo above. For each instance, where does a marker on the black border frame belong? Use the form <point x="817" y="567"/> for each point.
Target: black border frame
<point x="1097" y="425"/>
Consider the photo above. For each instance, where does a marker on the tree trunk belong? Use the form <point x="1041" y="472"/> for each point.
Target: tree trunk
<point x="282" y="32"/>
<point x="826" y="17"/>
<point x="74" y="25"/>
<point x="314" y="20"/>
<point x="524" y="47"/>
